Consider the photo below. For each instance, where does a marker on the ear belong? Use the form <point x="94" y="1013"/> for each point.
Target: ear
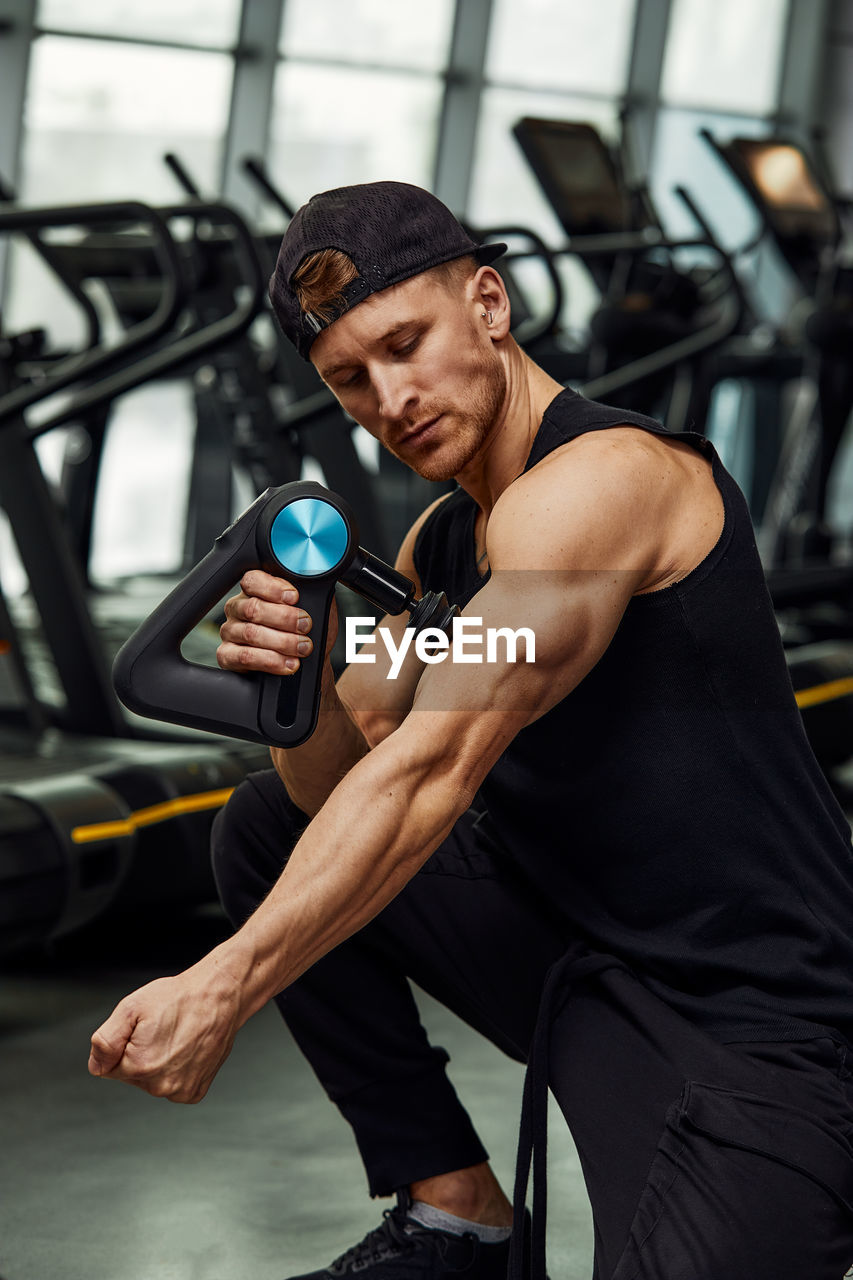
<point x="490" y="296"/>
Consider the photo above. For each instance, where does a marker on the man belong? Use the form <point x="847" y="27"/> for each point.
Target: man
<point x="650" y="824"/>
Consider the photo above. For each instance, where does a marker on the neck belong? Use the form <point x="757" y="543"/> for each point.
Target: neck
<point x="503" y="454"/>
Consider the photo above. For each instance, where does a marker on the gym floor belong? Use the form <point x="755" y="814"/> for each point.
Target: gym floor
<point x="100" y="1182"/>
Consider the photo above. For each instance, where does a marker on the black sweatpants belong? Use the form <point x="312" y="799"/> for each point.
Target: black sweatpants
<point x="701" y="1160"/>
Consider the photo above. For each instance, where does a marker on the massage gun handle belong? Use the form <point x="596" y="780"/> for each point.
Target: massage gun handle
<point x="153" y="678"/>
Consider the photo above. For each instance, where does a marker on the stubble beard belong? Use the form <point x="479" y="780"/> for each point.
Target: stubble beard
<point x="466" y="430"/>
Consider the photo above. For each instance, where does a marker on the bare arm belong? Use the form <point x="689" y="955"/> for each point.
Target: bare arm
<point x="544" y="579"/>
<point x="568" y="552"/>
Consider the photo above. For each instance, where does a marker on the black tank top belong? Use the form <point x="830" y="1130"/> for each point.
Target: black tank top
<point x="671" y="804"/>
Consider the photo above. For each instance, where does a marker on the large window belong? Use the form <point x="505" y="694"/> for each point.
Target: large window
<point x="99" y="117"/>
<point x="407" y="33"/>
<point x="112" y="87"/>
<point x="562" y="44"/>
<point x="333" y="126"/>
<point x="358" y="93"/>
<point x="211" y="23"/>
<point x="101" y="114"/>
<point x="557" y="59"/>
<point x="722" y="73"/>
<point x="724" y="55"/>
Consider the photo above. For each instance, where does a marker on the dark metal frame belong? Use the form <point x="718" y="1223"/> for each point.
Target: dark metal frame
<point x="56" y="577"/>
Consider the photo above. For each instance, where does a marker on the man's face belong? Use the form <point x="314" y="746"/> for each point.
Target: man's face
<point x="416" y="367"/>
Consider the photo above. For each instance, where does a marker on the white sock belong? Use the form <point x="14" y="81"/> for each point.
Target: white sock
<point x="428" y="1216"/>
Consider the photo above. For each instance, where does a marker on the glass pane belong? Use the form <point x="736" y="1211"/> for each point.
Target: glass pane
<point x="99" y="117"/>
<point x="570" y="43"/>
<point x="36" y="300"/>
<point x="49" y="450"/>
<point x="407" y="33"/>
<point x="211" y="23"/>
<point x="724" y="54"/>
<point x="325" y="132"/>
<point x="141" y="499"/>
<point x="13" y="578"/>
<point x="504" y="189"/>
<point x="681" y="157"/>
<point x="679" y="151"/>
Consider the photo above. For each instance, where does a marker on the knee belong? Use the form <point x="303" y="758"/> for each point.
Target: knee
<point x="251" y="841"/>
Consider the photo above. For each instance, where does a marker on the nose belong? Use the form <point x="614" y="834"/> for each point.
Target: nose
<point x="396" y="397"/>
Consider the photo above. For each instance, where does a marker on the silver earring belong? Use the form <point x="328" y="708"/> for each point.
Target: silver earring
<point x="488" y="316"/>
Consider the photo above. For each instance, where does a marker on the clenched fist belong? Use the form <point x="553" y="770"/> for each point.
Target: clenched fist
<point x="171" y="1037"/>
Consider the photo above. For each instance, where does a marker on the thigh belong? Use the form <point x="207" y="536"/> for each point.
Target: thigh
<point x="701" y="1160"/>
<point x="735" y="1192"/>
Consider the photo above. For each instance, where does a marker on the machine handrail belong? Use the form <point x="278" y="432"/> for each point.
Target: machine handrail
<point x="722" y="327"/>
<point x="183" y="175"/>
<point x="92" y="363"/>
<point x="165" y="360"/>
<point x="667" y="357"/>
<point x="258" y="172"/>
<point x="93" y="325"/>
<point x="727" y="257"/>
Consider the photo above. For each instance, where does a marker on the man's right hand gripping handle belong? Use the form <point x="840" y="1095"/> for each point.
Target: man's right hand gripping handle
<point x="267" y="630"/>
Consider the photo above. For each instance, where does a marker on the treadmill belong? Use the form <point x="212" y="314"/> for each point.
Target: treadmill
<point x="658" y="323"/>
<point x="803" y="215"/>
<point x="99" y="810"/>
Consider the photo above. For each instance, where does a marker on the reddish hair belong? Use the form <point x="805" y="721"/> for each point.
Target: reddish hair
<point x="320" y="280"/>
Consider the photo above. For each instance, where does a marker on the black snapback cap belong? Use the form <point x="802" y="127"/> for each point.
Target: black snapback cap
<point x="389" y="230"/>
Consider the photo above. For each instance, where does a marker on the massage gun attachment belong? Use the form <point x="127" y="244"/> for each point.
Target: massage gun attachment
<point x="302" y="532"/>
<point x="392" y="592"/>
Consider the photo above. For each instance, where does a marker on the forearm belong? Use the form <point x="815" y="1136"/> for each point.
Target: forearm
<point x="344" y="870"/>
<point x="312" y="771"/>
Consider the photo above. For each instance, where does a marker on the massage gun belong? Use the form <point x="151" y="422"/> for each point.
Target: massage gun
<point x="301" y="532"/>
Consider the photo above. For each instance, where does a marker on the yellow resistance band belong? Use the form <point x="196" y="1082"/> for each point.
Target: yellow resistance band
<point x="152" y="814"/>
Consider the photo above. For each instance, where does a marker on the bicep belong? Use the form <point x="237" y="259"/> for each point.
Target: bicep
<point x="528" y="639"/>
<point x="570" y="543"/>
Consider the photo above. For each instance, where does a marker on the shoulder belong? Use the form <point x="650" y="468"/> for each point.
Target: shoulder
<point x="620" y="452"/>
<point x="603" y="500"/>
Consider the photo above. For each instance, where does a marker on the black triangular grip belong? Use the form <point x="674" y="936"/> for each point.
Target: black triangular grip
<point x="154" y="679"/>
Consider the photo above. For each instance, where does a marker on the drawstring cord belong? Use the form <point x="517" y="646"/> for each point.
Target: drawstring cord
<point x="527" y="1259"/>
